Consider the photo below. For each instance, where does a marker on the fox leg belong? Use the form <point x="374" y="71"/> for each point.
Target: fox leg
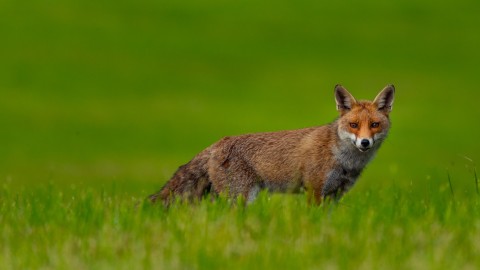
<point x="338" y="182"/>
<point x="313" y="190"/>
<point x="314" y="196"/>
<point x="239" y="186"/>
<point x="253" y="193"/>
<point x="333" y="188"/>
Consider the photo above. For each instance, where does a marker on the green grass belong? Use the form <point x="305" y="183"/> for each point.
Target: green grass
<point x="100" y="102"/>
<point x="376" y="229"/>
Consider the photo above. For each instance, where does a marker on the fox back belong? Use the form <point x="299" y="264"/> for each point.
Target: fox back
<point x="325" y="161"/>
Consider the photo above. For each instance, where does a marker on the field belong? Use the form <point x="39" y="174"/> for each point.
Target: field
<point x="101" y="101"/>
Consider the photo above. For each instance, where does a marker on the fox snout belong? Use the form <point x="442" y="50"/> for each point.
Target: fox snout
<point x="361" y="143"/>
<point x="364" y="144"/>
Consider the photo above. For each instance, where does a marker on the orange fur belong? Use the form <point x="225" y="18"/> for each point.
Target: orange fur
<point x="324" y="160"/>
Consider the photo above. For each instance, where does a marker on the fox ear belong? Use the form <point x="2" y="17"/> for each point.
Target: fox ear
<point x="344" y="99"/>
<point x="384" y="99"/>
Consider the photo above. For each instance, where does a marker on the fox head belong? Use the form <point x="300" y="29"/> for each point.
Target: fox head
<point x="365" y="124"/>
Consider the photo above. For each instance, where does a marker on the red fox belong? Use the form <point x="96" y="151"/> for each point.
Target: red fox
<point x="325" y="161"/>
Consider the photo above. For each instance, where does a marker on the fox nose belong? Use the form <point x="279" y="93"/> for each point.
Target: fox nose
<point x="365" y="143"/>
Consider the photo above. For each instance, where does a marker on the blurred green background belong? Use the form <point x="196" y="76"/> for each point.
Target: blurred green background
<point x="123" y="92"/>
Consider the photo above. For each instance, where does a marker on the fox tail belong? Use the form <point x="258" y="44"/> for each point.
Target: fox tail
<point x="190" y="182"/>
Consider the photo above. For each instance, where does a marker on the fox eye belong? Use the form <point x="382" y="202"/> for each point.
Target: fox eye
<point x="353" y="125"/>
<point x="375" y="125"/>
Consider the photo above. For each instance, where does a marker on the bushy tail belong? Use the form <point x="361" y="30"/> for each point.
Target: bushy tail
<point x="190" y="182"/>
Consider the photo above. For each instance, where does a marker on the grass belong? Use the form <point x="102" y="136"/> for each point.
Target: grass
<point x="98" y="228"/>
<point x="102" y="100"/>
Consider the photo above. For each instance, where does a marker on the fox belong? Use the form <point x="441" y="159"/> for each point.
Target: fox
<point x="323" y="161"/>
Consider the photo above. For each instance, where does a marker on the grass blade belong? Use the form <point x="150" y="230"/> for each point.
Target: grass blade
<point x="476" y="180"/>
<point x="450" y="183"/>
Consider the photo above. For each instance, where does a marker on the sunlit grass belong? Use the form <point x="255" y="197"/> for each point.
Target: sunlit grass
<point x="81" y="227"/>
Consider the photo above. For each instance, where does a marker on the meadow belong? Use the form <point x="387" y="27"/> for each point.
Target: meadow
<point x="101" y="101"/>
